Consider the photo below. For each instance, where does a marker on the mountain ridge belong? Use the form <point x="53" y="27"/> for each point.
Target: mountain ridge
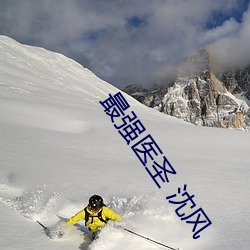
<point x="201" y="95"/>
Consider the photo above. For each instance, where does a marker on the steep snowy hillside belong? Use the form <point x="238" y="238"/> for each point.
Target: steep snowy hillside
<point x="58" y="147"/>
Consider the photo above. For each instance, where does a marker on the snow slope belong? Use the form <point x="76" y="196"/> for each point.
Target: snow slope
<point x="58" y="147"/>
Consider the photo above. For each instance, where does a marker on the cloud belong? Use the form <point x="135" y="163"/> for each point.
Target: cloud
<point x="233" y="48"/>
<point x="126" y="42"/>
<point x="228" y="28"/>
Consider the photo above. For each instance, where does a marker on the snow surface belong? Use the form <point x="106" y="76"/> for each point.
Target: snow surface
<point x="58" y="147"/>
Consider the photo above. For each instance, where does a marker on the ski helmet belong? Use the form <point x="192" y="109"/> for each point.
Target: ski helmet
<point x="96" y="202"/>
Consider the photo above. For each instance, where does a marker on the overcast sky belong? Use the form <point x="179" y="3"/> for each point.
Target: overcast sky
<point x="131" y="41"/>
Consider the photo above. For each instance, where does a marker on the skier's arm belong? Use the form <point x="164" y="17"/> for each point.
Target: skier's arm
<point x="110" y="214"/>
<point x="77" y="217"/>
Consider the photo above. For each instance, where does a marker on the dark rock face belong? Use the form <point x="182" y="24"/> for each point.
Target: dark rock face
<point x="237" y="81"/>
<point x="200" y="97"/>
<point x="137" y="91"/>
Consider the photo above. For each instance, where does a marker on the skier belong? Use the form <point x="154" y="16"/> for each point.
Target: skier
<point x="95" y="214"/>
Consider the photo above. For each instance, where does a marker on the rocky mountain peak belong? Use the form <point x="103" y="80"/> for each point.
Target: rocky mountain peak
<point x="196" y="64"/>
<point x="200" y="96"/>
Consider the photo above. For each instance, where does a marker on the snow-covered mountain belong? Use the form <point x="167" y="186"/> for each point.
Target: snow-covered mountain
<point x="201" y="95"/>
<point x="58" y="147"/>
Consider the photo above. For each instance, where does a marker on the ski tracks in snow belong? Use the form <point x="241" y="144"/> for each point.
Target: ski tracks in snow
<point x="8" y="193"/>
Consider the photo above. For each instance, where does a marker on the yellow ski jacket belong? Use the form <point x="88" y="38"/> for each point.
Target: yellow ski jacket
<point x="94" y="223"/>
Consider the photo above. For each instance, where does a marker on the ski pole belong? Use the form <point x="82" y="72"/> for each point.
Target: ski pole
<point x="148" y="239"/>
<point x="45" y="228"/>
